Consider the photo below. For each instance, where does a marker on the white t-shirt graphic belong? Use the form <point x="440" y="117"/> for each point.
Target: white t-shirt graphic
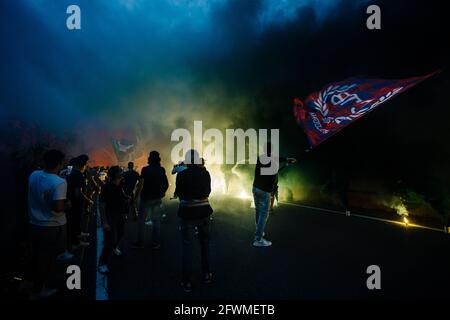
<point x="43" y="189"/>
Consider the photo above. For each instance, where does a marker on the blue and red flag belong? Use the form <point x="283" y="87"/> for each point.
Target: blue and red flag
<point x="337" y="105"/>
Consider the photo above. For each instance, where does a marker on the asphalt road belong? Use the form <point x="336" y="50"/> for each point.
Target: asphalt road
<point x="315" y="255"/>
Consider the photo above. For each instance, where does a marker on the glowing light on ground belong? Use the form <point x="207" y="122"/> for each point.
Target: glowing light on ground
<point x="244" y="195"/>
<point x="406" y="221"/>
<point x="402" y="211"/>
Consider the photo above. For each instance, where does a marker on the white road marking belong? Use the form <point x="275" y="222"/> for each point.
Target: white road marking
<point x="362" y="216"/>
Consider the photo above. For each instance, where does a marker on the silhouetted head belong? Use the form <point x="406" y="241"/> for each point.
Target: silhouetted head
<point x="130" y="165"/>
<point x="53" y="160"/>
<point x="115" y="174"/>
<point x="80" y="162"/>
<point x="154" y="158"/>
<point x="192" y="157"/>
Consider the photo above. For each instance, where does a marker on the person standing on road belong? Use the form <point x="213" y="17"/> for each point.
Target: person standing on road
<point x="76" y="194"/>
<point x="113" y="209"/>
<point x="130" y="180"/>
<point x="46" y="208"/>
<point x="151" y="189"/>
<point x="264" y="188"/>
<point x="193" y="187"/>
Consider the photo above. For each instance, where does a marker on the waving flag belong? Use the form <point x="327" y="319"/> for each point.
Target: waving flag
<point x="328" y="111"/>
<point x="126" y="149"/>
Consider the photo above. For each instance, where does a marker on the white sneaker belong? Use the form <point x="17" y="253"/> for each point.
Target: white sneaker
<point x="84" y="235"/>
<point x="262" y="243"/>
<point x="43" y="294"/>
<point x="148" y="223"/>
<point x="117" y="252"/>
<point x="66" y="255"/>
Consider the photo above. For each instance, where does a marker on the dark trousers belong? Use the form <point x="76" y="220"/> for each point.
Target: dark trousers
<point x="187" y="233"/>
<point x="46" y="243"/>
<point x="111" y="239"/>
<point x="152" y="207"/>
<point x="73" y="227"/>
<point x="132" y="211"/>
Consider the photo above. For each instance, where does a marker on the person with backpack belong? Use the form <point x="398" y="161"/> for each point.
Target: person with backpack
<point x="193" y="187"/>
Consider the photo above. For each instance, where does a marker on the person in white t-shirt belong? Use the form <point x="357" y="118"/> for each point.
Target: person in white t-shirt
<point x="46" y="205"/>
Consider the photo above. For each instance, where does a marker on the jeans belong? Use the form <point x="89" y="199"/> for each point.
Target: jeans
<point x="154" y="207"/>
<point x="47" y="243"/>
<point x="111" y="239"/>
<point x="187" y="233"/>
<point x="262" y="206"/>
<point x="132" y="212"/>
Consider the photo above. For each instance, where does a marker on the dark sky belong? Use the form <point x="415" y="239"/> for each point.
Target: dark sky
<point x="156" y="65"/>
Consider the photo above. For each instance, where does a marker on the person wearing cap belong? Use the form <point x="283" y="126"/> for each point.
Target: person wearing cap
<point x="151" y="189"/>
<point x="113" y="210"/>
